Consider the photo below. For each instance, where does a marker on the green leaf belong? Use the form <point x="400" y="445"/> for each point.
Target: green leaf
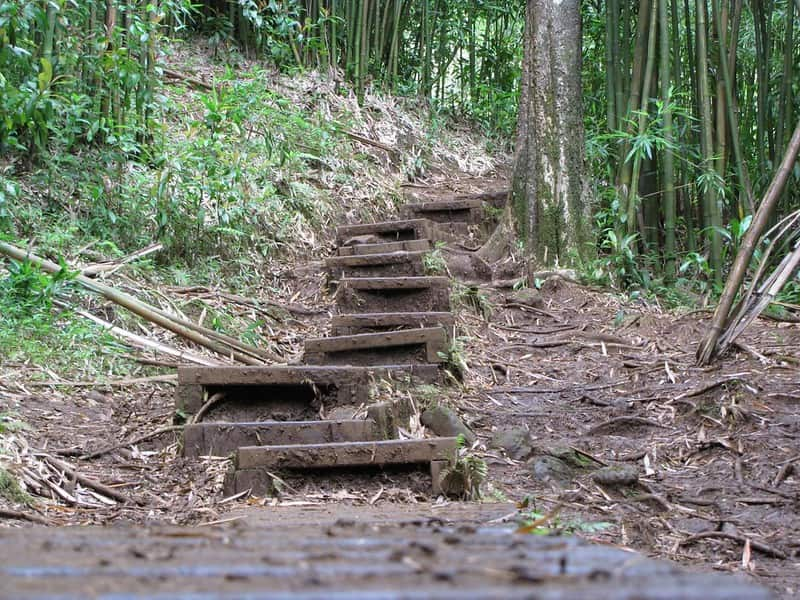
<point x="45" y="75"/>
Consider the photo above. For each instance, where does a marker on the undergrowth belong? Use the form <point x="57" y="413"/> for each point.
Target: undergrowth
<point x="35" y="328"/>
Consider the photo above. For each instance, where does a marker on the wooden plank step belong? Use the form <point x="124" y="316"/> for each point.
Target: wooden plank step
<point x="446" y="211"/>
<point x="366" y="322"/>
<point x="496" y="198"/>
<point x="385" y="247"/>
<point x="396" y="283"/>
<point x="346" y="454"/>
<point x="393" y="294"/>
<point x="223" y="439"/>
<point x="381" y="265"/>
<point x="411" y="345"/>
<point x="290" y="389"/>
<point x="390" y="231"/>
<point x="455" y="203"/>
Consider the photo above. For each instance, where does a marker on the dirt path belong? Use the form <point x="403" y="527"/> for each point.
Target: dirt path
<point x="560" y="382"/>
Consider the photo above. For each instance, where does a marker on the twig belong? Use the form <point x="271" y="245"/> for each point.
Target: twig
<point x="760" y="546"/>
<point x="188" y="79"/>
<point x="369" y="142"/>
<point x="112" y="383"/>
<point x="209" y="403"/>
<point x="143" y="342"/>
<point x="707" y="387"/>
<point x="22" y="516"/>
<point x="112" y="266"/>
<point x="86" y="481"/>
<point x="561" y="390"/>
<point x="133" y="442"/>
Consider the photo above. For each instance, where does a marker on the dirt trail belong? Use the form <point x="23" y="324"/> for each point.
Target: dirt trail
<point x="560" y="382"/>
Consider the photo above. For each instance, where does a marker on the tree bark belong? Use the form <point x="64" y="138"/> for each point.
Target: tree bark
<point x="550" y="211"/>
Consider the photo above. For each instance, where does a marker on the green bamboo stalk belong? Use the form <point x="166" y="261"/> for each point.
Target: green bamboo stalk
<point x="633" y="196"/>
<point x="713" y="220"/>
<point x="733" y="121"/>
<point x="668" y="158"/>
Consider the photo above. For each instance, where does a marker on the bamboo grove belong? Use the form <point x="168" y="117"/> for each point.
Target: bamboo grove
<point x="689" y="118"/>
<point x="689" y="104"/>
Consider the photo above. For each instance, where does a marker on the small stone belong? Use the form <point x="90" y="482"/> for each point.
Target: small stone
<point x="571" y="457"/>
<point x="515" y="441"/>
<point x="552" y="469"/>
<point x="616" y="476"/>
<point x="446" y="423"/>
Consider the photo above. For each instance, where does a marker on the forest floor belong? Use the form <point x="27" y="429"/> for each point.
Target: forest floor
<point x="561" y="381"/>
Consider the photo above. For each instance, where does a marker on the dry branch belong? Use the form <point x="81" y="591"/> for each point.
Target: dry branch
<point x="709" y="348"/>
<point x="134" y="441"/>
<point x="86" y="481"/>
<point x="199" y="83"/>
<point x="23" y="516"/>
<point x="212" y="340"/>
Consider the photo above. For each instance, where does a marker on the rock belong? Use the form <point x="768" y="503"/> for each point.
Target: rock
<point x="572" y="458"/>
<point x="553" y="470"/>
<point x="616" y="475"/>
<point x="515" y="441"/>
<point x="446" y="423"/>
<point x="467" y="266"/>
<point x="527" y="297"/>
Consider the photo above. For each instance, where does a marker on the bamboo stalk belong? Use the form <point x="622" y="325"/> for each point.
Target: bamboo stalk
<point x="669" y="159"/>
<point x="195" y="333"/>
<point x="708" y="349"/>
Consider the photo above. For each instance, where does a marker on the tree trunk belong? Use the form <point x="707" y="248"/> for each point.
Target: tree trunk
<point x="549" y="194"/>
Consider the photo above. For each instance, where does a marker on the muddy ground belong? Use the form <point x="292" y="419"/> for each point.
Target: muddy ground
<point x="704" y="463"/>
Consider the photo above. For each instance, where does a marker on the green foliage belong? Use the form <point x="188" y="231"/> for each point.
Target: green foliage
<point x="32" y="329"/>
<point x="455" y="362"/>
<point x="433" y="262"/>
<point x="27" y="291"/>
<point x="617" y="267"/>
<point x="471" y="297"/>
<point x="9" y="423"/>
<point x="64" y="81"/>
<point x="11" y="491"/>
<point x="466" y="475"/>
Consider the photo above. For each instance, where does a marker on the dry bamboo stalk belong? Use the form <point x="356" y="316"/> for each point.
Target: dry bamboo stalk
<point x="144" y="342"/>
<point x="707" y="349"/>
<point x="112" y="266"/>
<point x="86" y="481"/>
<point x="194" y="333"/>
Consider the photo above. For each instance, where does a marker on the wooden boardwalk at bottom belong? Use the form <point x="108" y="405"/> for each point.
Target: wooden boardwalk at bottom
<point x="358" y="553"/>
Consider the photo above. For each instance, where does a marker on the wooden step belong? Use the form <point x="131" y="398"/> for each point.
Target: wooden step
<point x="446" y="211"/>
<point x="385" y="247"/>
<point x="494" y="198"/>
<point x="292" y="392"/>
<point x="258" y="392"/>
<point x="369" y="322"/>
<point x="393" y="294"/>
<point x="346" y="454"/>
<point x="421" y="345"/>
<point x="254" y="465"/>
<point x="377" y="265"/>
<point x="223" y="439"/>
<point x="389" y="231"/>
